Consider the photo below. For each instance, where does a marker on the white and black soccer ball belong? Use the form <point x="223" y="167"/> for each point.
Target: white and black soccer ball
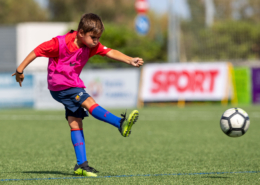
<point x="234" y="122"/>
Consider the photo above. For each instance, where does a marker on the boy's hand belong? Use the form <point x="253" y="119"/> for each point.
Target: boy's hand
<point x="19" y="78"/>
<point x="137" y="62"/>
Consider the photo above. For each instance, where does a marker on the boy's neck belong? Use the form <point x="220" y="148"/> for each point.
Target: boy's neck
<point x="78" y="43"/>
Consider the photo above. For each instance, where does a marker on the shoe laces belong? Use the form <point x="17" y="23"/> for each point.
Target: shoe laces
<point x="122" y="120"/>
<point x="86" y="167"/>
<point x="89" y="169"/>
<point x="124" y="117"/>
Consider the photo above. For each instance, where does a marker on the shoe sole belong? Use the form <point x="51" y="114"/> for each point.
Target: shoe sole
<point x="84" y="173"/>
<point x="131" y="120"/>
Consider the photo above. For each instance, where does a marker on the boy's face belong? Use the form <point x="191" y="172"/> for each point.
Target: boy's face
<point x="90" y="39"/>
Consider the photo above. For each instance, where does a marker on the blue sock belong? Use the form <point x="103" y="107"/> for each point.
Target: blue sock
<point x="78" y="141"/>
<point x="99" y="113"/>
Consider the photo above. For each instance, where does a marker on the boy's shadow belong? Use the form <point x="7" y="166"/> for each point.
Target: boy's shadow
<point x="62" y="173"/>
<point x="49" y="172"/>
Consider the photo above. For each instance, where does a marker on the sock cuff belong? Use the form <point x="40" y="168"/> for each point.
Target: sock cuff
<point x="92" y="108"/>
<point x="76" y="129"/>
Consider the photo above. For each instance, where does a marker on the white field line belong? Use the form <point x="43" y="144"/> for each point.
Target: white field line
<point x="166" y="116"/>
<point x="31" y="117"/>
<point x="141" y="118"/>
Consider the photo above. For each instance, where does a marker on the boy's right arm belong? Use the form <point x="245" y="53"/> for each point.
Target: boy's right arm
<point x="47" y="49"/>
<point x="19" y="71"/>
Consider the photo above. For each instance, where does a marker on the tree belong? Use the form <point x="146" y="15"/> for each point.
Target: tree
<point x="108" y="10"/>
<point x="129" y="43"/>
<point x="197" y="9"/>
<point x="226" y="40"/>
<point x="245" y="10"/>
<point x="250" y="11"/>
<point x="13" y="11"/>
<point x="224" y="9"/>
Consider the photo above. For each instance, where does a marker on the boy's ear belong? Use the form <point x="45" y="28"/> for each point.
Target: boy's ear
<point x="81" y="33"/>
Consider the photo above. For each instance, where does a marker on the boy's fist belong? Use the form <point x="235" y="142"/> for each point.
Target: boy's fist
<point x="19" y="78"/>
<point x="137" y="62"/>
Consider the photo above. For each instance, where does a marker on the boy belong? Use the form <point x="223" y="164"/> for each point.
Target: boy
<point x="67" y="56"/>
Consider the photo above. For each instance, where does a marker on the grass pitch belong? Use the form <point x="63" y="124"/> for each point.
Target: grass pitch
<point x="168" y="145"/>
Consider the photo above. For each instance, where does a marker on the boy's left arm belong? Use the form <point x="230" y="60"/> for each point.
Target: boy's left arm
<point x="117" y="55"/>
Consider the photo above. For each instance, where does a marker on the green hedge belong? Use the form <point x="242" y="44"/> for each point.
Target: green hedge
<point x="228" y="40"/>
<point x="126" y="40"/>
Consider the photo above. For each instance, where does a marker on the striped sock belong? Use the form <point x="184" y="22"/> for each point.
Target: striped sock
<point x="101" y="114"/>
<point x="78" y="141"/>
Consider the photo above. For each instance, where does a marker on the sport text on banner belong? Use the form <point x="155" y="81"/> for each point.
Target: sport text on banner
<point x="189" y="81"/>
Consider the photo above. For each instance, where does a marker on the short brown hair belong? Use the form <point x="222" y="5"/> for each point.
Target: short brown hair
<point x="90" y="22"/>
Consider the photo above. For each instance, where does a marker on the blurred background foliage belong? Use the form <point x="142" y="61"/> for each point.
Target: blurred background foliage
<point x="241" y="43"/>
<point x="120" y="37"/>
<point x="108" y="10"/>
<point x="13" y="11"/>
<point x="234" y="34"/>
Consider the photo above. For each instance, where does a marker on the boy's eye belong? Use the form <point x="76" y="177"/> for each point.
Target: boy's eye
<point x="94" y="37"/>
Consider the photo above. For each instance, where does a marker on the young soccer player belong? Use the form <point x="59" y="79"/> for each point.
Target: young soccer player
<point x="67" y="56"/>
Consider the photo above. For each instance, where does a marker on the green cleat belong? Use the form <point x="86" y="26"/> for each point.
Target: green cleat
<point x="127" y="123"/>
<point x="85" y="170"/>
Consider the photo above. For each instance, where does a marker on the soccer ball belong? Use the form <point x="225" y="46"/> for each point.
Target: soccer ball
<point x="234" y="122"/>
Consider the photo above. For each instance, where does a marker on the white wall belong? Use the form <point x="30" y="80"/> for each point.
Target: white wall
<point x="30" y="35"/>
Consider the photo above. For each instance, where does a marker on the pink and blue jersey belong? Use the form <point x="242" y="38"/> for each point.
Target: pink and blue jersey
<point x="66" y="61"/>
<point x="64" y="73"/>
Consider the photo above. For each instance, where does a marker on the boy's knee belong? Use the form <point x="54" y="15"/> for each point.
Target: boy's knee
<point x="75" y="123"/>
<point x="89" y="102"/>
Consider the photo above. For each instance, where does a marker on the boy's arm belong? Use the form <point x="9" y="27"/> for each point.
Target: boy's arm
<point x="19" y="71"/>
<point x="117" y="55"/>
<point x="47" y="49"/>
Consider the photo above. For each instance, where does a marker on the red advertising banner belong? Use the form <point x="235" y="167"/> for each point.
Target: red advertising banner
<point x="189" y="81"/>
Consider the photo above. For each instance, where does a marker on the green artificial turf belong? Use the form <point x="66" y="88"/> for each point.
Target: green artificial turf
<point x="168" y="145"/>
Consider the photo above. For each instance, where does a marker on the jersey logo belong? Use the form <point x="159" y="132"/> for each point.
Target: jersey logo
<point x="77" y="97"/>
<point x="71" y="64"/>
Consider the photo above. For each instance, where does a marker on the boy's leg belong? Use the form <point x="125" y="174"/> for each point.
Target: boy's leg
<point x="100" y="113"/>
<point x="123" y="124"/>
<point x="77" y="138"/>
<point x="78" y="141"/>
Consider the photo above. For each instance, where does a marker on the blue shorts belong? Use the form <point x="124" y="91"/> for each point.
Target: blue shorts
<point x="72" y="99"/>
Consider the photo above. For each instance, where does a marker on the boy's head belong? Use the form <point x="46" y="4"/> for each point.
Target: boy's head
<point x="91" y="23"/>
<point x="90" y="30"/>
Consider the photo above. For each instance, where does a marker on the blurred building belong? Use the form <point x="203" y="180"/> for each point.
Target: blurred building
<point x="18" y="41"/>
